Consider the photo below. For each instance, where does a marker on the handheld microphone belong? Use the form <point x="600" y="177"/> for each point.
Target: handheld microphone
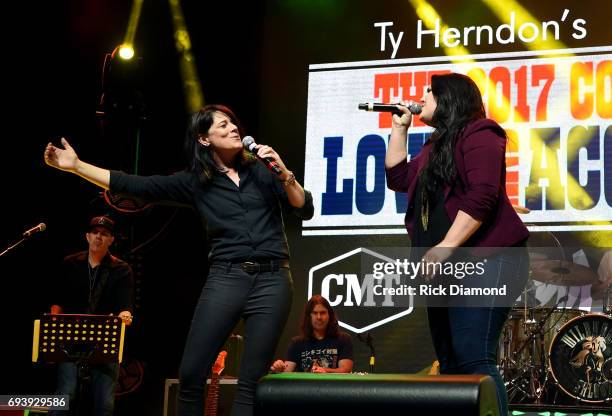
<point x="413" y="107"/>
<point x="40" y="227"/>
<point x="249" y="143"/>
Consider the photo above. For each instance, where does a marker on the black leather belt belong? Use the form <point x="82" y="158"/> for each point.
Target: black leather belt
<point x="261" y="266"/>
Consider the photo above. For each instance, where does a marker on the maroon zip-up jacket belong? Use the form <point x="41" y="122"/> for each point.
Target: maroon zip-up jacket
<point x="479" y="189"/>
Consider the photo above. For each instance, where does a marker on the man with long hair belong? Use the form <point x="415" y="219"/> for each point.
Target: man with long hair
<point x="322" y="347"/>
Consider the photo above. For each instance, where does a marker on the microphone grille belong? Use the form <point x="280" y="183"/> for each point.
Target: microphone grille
<point x="247" y="141"/>
<point x="415" y="108"/>
<point x="42" y="226"/>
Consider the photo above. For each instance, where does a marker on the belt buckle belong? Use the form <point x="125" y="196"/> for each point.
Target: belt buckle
<point x="249" y="267"/>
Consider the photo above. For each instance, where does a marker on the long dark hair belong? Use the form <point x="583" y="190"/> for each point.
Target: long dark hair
<point x="306" y="326"/>
<point x="458" y="101"/>
<point x="199" y="157"/>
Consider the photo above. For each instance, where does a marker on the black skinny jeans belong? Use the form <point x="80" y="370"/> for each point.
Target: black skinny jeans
<point x="263" y="300"/>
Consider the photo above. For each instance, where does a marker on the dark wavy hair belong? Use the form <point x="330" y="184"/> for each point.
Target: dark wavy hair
<point x="306" y="326"/>
<point x="458" y="102"/>
<point x="199" y="157"/>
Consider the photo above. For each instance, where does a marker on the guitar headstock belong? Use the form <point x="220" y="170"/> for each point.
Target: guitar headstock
<point x="219" y="364"/>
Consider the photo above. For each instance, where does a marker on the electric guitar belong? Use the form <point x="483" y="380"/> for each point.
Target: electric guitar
<point x="212" y="397"/>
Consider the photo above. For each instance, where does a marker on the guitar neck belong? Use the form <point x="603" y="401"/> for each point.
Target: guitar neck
<point x="212" y="397"/>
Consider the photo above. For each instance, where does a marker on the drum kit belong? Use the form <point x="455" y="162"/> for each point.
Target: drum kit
<point x="557" y="355"/>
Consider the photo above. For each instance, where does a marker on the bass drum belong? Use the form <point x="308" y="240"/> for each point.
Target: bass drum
<point x="515" y="351"/>
<point x="581" y="356"/>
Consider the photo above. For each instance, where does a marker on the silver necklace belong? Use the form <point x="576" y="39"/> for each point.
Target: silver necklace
<point x="93" y="274"/>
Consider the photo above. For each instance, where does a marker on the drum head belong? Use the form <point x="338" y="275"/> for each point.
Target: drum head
<point x="580" y="356"/>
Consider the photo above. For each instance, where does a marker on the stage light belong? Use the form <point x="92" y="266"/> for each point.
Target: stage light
<point x="192" y="87"/>
<point x="126" y="51"/>
<point x="122" y="85"/>
<point x="544" y="40"/>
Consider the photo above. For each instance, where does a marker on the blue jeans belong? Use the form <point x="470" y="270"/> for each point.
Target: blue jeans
<point x="263" y="300"/>
<point x="466" y="338"/>
<point x="103" y="384"/>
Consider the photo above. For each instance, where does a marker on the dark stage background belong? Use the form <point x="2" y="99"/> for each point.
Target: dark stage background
<point x="251" y="56"/>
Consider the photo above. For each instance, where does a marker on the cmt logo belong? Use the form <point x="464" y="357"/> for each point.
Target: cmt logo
<point x="361" y="301"/>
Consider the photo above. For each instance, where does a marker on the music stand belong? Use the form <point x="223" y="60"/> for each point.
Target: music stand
<point x="82" y="339"/>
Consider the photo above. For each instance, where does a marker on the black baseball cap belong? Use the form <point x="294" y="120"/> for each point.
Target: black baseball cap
<point x="102" y="221"/>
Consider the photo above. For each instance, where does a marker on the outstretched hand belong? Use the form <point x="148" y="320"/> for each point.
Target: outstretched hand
<point x="64" y="159"/>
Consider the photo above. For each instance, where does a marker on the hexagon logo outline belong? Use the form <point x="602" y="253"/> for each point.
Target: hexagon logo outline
<point x="342" y="257"/>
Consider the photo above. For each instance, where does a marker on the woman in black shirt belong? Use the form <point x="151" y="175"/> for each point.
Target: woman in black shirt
<point x="241" y="202"/>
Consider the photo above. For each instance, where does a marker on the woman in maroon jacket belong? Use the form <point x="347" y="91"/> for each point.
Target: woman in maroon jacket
<point x="457" y="198"/>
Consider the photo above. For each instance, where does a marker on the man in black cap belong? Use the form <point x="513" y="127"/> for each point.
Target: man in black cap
<point x="94" y="282"/>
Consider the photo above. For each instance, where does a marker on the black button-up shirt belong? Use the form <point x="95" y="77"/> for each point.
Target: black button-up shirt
<point x="243" y="222"/>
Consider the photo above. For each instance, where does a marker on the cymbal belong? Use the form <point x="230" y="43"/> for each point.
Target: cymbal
<point x="561" y="272"/>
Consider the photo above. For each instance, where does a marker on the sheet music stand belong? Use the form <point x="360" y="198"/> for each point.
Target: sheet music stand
<point x="82" y="339"/>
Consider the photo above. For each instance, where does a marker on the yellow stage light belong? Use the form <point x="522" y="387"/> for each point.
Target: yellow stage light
<point x="192" y="87"/>
<point x="126" y="52"/>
